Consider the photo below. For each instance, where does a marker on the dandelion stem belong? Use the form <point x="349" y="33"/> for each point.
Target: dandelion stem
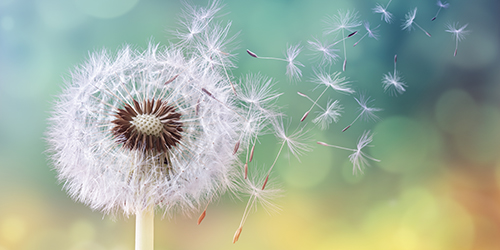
<point x="144" y="229"/>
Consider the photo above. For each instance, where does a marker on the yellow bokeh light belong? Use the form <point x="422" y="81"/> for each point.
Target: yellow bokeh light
<point x="13" y="228"/>
<point x="82" y="231"/>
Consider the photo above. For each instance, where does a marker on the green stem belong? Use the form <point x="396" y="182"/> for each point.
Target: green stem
<point x="144" y="229"/>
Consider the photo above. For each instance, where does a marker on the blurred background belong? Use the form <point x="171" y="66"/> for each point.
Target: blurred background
<point x="437" y="184"/>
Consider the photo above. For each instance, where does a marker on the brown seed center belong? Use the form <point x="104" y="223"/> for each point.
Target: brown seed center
<point x="152" y="125"/>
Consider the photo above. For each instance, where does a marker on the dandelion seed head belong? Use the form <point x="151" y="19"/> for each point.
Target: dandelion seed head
<point x="157" y="128"/>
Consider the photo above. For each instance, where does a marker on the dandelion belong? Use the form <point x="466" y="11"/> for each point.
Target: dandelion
<point x="371" y="33"/>
<point x="292" y="70"/>
<point x="393" y="82"/>
<point x="365" y="112"/>
<point x="327" y="54"/>
<point x="359" y="159"/>
<point x="158" y="129"/>
<point x="386" y="15"/>
<point x="334" y="81"/>
<point x="458" y="33"/>
<point x="410" y="20"/>
<point x="342" y="22"/>
<point x="441" y="5"/>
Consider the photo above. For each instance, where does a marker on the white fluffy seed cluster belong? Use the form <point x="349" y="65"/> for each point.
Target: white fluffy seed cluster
<point x="147" y="124"/>
<point x="193" y="77"/>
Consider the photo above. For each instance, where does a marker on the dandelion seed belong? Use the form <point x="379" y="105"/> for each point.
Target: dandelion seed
<point x="410" y="20"/>
<point x="294" y="141"/>
<point x="371" y="33"/>
<point x="292" y="70"/>
<point x="236" y="147"/>
<point x="327" y="54"/>
<point x="202" y="216"/>
<point x="237" y="234"/>
<point x="359" y="159"/>
<point x="334" y="81"/>
<point x="441" y="5"/>
<point x="386" y="15"/>
<point x="365" y="112"/>
<point x="458" y="33"/>
<point x="195" y="20"/>
<point x="171" y="79"/>
<point x="342" y="22"/>
<point x="251" y="53"/>
<point x="258" y="195"/>
<point x="330" y="114"/>
<point x="393" y="82"/>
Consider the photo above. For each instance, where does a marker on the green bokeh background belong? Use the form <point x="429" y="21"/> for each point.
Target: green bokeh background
<point x="436" y="187"/>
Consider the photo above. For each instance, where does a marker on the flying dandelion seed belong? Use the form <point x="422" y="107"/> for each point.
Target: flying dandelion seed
<point x="369" y="32"/>
<point x="386" y="15"/>
<point x="458" y="33"/>
<point x="365" y="112"/>
<point x="340" y="23"/>
<point x="359" y="159"/>
<point x="292" y="70"/>
<point x="334" y="81"/>
<point x="393" y="82"/>
<point x="441" y="5"/>
<point x="194" y="20"/>
<point x="258" y="195"/>
<point x="327" y="54"/>
<point x="330" y="114"/>
<point x="160" y="129"/>
<point x="410" y="21"/>
<point x="262" y="192"/>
